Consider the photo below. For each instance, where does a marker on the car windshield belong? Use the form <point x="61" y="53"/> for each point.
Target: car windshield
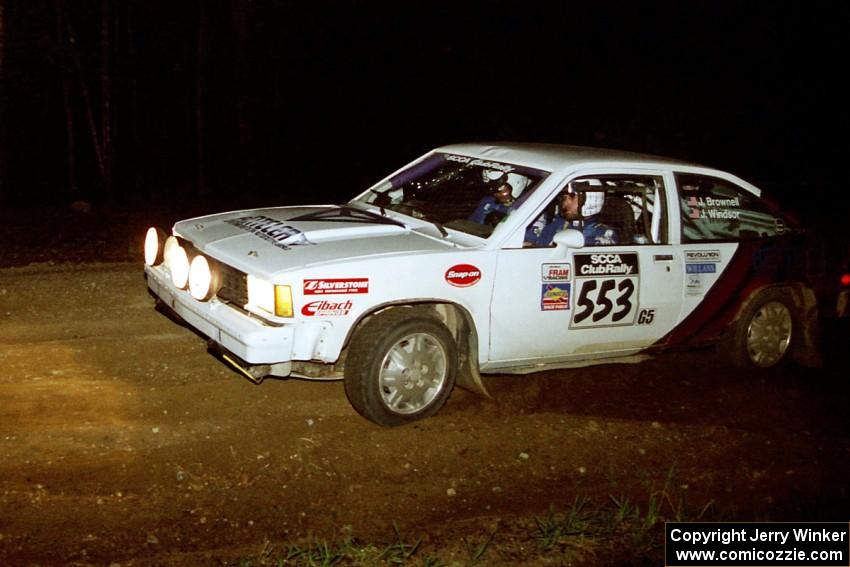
<point x="459" y="192"/>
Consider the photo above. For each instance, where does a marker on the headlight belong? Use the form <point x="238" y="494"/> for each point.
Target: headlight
<point x="203" y="280"/>
<point x="178" y="261"/>
<point x="154" y="238"/>
<point x="260" y="294"/>
<point x="273" y="299"/>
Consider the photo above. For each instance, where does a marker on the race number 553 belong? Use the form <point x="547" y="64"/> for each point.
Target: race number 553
<point x="605" y="302"/>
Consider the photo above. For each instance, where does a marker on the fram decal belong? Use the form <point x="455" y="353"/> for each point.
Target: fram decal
<point x="555" y="297"/>
<point x="278" y="233"/>
<point x="702" y="255"/>
<point x="333" y="286"/>
<point x="463" y="275"/>
<point x="553" y="273"/>
<point x="323" y="308"/>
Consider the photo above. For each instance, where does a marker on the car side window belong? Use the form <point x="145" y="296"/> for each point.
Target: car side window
<point x="714" y="209"/>
<point x="610" y="210"/>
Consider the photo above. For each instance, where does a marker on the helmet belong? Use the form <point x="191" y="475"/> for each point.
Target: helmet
<point x="590" y="201"/>
<point x="593" y="201"/>
<point x="494" y="177"/>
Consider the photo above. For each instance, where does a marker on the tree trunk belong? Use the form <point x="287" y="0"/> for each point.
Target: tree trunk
<point x="243" y="128"/>
<point x="73" y="190"/>
<point x="200" y="66"/>
<point x="131" y="157"/>
<point x="106" y="101"/>
<point x="4" y="189"/>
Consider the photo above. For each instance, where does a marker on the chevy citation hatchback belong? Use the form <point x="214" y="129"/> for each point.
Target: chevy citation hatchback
<point x="492" y="258"/>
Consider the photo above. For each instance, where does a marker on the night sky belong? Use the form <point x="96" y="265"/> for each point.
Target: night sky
<point x="258" y="102"/>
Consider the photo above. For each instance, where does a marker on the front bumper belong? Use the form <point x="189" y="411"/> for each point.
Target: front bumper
<point x="234" y="331"/>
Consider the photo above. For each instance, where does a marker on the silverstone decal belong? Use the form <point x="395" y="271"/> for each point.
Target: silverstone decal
<point x="713" y="209"/>
<point x="331" y="286"/>
<point x="463" y="275"/>
<point x="555" y="297"/>
<point x="607" y="287"/>
<point x="277" y="232"/>
<point x="324" y="308"/>
<point x="555" y="273"/>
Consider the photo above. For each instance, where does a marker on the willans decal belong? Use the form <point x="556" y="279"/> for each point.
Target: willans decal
<point x="463" y="275"/>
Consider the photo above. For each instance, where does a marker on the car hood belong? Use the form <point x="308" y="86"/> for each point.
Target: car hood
<point x="269" y="241"/>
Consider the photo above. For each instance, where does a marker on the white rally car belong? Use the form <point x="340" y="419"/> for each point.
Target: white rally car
<point x="497" y="258"/>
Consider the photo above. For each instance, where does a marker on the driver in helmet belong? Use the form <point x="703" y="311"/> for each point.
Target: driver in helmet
<point x="495" y="206"/>
<point x="578" y="210"/>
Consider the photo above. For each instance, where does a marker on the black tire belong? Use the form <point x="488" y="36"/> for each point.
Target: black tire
<point x="389" y="393"/>
<point x="766" y="332"/>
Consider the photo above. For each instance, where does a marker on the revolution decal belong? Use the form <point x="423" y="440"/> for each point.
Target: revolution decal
<point x="277" y="232"/>
<point x="555" y="273"/>
<point x="324" y="308"/>
<point x="607" y="290"/>
<point x="463" y="275"/>
<point x="555" y="297"/>
<point x="700" y="256"/>
<point x="333" y="286"/>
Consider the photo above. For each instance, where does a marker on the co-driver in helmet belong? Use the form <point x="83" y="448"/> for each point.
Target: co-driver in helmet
<point x="494" y="207"/>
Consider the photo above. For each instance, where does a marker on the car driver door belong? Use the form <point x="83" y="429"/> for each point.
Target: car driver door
<point x="607" y="298"/>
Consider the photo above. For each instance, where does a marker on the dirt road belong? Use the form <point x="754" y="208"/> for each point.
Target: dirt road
<point x="122" y="441"/>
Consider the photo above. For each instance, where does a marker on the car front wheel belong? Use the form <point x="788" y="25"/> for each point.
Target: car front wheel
<point x="400" y="367"/>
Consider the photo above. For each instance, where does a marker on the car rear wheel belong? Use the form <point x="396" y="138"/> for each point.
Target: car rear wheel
<point x="765" y="332"/>
<point x="400" y="367"/>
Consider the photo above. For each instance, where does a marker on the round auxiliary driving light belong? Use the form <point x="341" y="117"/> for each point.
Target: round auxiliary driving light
<point x="178" y="261"/>
<point x="153" y="246"/>
<point x="201" y="278"/>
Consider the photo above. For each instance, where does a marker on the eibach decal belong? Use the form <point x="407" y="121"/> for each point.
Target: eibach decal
<point x="555" y="297"/>
<point x="323" y="308"/>
<point x="555" y="273"/>
<point x="607" y="288"/>
<point x="334" y="286"/>
<point x="463" y="275"/>
<point x="274" y="231"/>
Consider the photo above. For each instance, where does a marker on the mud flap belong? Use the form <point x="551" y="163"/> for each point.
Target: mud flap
<point x="808" y="353"/>
<point x="468" y="376"/>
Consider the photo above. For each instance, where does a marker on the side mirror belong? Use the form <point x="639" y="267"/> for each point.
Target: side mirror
<point x="569" y="238"/>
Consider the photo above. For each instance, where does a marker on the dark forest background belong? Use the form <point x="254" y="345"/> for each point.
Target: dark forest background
<point x="145" y="103"/>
